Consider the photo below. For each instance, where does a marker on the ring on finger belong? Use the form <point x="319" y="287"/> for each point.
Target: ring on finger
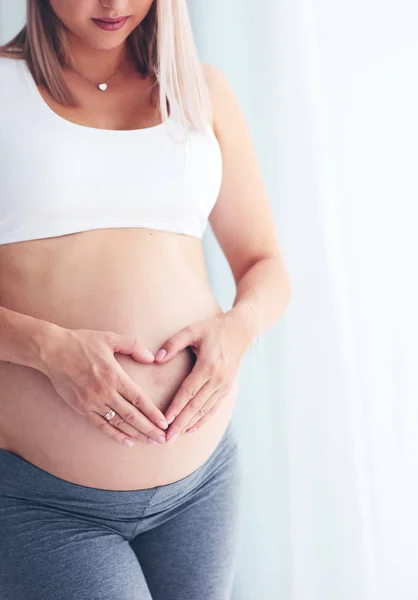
<point x="110" y="414"/>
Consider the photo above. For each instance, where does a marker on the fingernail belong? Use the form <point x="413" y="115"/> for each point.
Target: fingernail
<point x="162" y="424"/>
<point x="192" y="430"/>
<point x="160" y="354"/>
<point x="151" y="441"/>
<point x="128" y="442"/>
<point x="170" y="420"/>
<point x="148" y="352"/>
<point x="172" y="438"/>
<point x="161" y="439"/>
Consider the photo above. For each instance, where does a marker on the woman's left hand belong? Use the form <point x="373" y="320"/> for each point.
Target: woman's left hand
<point x="219" y="344"/>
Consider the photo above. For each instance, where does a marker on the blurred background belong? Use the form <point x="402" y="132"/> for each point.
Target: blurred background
<point x="327" y="415"/>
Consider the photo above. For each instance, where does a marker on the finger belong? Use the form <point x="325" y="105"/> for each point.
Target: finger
<point x="189" y="388"/>
<point x="130" y="346"/>
<point x="136" y="396"/>
<point x="177" y="342"/>
<point x="123" y="421"/>
<point x="195" y="425"/>
<point x="203" y="407"/>
<point x="196" y="406"/>
<point x="107" y="428"/>
<point x="137" y="410"/>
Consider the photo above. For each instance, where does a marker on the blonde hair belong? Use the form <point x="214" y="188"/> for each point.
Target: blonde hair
<point x="163" y="47"/>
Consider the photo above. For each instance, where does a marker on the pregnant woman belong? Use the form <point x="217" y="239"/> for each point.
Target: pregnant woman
<point x="119" y="475"/>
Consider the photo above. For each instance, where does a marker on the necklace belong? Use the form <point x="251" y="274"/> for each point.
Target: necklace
<point x="101" y="86"/>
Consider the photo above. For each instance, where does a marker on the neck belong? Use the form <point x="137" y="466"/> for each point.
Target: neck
<point x="96" y="64"/>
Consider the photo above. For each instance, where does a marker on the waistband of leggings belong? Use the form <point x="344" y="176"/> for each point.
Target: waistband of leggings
<point x="18" y="474"/>
<point x="226" y="444"/>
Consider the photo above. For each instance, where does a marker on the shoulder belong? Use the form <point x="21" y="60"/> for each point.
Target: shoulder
<point x="225" y="104"/>
<point x="210" y="73"/>
<point x="218" y="86"/>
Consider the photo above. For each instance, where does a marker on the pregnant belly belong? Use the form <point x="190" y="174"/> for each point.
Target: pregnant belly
<point x="39" y="426"/>
<point x="143" y="300"/>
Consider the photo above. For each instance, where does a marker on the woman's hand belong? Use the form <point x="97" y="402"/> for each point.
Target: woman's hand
<point x="219" y="344"/>
<point x="82" y="368"/>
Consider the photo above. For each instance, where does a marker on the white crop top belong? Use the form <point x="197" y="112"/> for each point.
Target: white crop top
<point x="57" y="177"/>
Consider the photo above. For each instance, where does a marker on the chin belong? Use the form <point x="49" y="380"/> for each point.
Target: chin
<point x="111" y="43"/>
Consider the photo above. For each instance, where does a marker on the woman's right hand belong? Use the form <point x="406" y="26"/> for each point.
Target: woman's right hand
<point x="83" y="370"/>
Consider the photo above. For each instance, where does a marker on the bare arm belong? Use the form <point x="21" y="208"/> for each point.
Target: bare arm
<point x="83" y="370"/>
<point x="25" y="339"/>
<point x="242" y="220"/>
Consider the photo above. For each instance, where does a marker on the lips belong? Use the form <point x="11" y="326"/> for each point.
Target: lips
<point x="110" y="24"/>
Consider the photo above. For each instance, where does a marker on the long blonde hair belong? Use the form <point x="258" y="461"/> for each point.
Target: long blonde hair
<point x="162" y="45"/>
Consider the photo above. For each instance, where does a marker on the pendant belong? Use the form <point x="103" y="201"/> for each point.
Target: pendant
<point x="102" y="87"/>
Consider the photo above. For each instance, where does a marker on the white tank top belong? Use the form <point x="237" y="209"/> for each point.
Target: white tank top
<point x="57" y="177"/>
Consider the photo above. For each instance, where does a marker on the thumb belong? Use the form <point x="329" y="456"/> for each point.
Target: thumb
<point x="131" y="346"/>
<point x="174" y="345"/>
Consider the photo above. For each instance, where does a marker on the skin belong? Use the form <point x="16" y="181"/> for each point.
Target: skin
<point x="86" y="38"/>
<point x="164" y="303"/>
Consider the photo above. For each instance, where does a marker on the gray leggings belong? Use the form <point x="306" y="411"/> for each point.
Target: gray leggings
<point x="64" y="541"/>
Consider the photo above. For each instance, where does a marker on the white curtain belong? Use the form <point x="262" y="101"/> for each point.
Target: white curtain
<point x="12" y="17"/>
<point x="327" y="415"/>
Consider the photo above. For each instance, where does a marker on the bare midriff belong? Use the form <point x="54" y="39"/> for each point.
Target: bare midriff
<point x="137" y="282"/>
